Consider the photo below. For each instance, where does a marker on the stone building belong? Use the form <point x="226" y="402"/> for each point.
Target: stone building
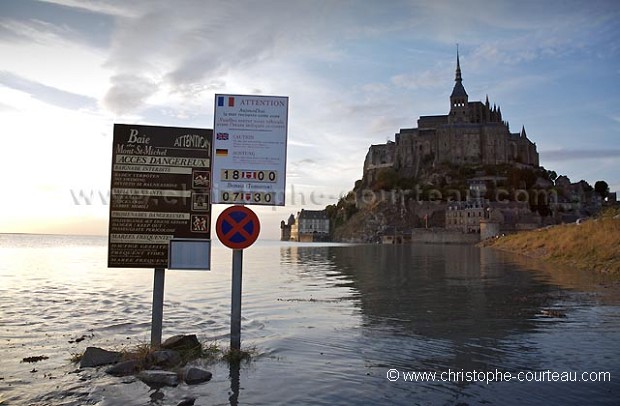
<point x="285" y="228"/>
<point x="472" y="132"/>
<point x="307" y="226"/>
<point x="465" y="216"/>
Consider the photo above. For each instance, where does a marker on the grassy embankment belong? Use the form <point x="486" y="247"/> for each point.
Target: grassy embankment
<point x="593" y="244"/>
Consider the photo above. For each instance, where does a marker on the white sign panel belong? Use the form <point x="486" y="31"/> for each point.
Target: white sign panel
<point x="249" y="150"/>
<point x="189" y="253"/>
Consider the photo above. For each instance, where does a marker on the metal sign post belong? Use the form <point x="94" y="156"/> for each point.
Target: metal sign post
<point x="237" y="228"/>
<point x="158" y="306"/>
<point x="235" y="309"/>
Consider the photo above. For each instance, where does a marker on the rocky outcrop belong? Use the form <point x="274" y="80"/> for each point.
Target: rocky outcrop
<point x="125" y="368"/>
<point x="158" y="378"/>
<point x="182" y="343"/>
<point x="193" y="375"/>
<point x="94" y="357"/>
<point x="163" y="367"/>
<point x="374" y="220"/>
<point x="164" y="359"/>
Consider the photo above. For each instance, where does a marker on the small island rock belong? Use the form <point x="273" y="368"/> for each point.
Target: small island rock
<point x="124" y="368"/>
<point x="158" y="378"/>
<point x="95" y="356"/>
<point x="181" y="343"/>
<point x="195" y="375"/>
<point x="165" y="358"/>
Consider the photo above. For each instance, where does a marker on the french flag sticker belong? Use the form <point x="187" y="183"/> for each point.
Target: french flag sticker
<point x="221" y="101"/>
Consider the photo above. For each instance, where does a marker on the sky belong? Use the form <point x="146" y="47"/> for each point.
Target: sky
<point x="355" y="72"/>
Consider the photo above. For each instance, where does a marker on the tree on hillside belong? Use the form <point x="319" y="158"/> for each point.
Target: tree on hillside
<point x="586" y="186"/>
<point x="521" y="178"/>
<point x="339" y="213"/>
<point x="387" y="179"/>
<point x="602" y="188"/>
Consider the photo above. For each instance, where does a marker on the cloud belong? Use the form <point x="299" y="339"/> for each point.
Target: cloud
<point x="387" y="125"/>
<point x="355" y="71"/>
<point x="28" y="31"/>
<point x="181" y="45"/>
<point x="47" y="94"/>
<point x="294" y="142"/>
<point x="128" y="93"/>
<point x="6" y="108"/>
<point x="9" y="33"/>
<point x="299" y="168"/>
<point x="427" y="79"/>
<point x="41" y="22"/>
<point x="579" y="154"/>
<point x="113" y="8"/>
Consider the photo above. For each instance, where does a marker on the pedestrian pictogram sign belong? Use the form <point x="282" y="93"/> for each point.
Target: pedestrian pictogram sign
<point x="237" y="227"/>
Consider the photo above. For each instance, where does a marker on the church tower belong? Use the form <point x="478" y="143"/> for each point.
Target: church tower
<point x="459" y="97"/>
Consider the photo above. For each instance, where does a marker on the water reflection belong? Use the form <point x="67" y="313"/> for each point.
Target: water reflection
<point x="439" y="292"/>
<point x="234" y="376"/>
<point x="439" y="308"/>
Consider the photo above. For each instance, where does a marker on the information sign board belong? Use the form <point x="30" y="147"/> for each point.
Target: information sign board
<point x="249" y="150"/>
<point x="160" y="190"/>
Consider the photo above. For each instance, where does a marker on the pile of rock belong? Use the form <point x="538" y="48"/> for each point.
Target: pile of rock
<point x="166" y="366"/>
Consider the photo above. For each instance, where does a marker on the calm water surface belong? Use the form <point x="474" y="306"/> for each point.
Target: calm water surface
<point x="328" y="323"/>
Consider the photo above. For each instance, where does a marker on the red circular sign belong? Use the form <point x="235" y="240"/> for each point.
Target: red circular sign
<point x="237" y="227"/>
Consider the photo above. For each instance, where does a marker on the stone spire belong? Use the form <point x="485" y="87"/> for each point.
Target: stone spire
<point x="458" y="98"/>
<point x="459" y="90"/>
<point x="458" y="66"/>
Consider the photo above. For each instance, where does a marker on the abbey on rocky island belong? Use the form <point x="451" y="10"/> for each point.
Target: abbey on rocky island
<point x="471" y="133"/>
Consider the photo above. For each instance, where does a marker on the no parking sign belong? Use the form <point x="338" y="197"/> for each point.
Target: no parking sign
<point x="237" y="227"/>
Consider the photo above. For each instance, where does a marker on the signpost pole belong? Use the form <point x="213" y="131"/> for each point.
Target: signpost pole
<point x="158" y="306"/>
<point x="235" y="314"/>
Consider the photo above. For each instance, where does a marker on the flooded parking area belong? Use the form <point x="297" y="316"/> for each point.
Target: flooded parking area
<point x="328" y="324"/>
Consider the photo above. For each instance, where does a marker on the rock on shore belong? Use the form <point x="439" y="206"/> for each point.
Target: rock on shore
<point x="163" y="367"/>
